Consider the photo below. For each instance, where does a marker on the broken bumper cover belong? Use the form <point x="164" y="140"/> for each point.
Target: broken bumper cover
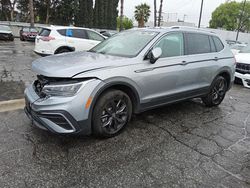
<point x="61" y="115"/>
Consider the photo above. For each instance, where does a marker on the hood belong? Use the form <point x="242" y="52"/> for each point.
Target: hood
<point x="243" y="58"/>
<point x="5" y="32"/>
<point x="71" y="64"/>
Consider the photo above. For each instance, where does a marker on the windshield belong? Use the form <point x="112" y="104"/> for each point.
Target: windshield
<point x="245" y="49"/>
<point x="4" y="28"/>
<point x="125" y="44"/>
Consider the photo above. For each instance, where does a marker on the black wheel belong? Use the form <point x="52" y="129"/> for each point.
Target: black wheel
<point x="111" y="113"/>
<point x="217" y="92"/>
<point x="63" y="50"/>
<point x="21" y="39"/>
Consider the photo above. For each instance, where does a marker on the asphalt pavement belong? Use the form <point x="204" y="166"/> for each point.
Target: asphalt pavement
<point x="181" y="145"/>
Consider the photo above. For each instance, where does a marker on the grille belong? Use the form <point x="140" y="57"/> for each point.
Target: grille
<point x="243" y="68"/>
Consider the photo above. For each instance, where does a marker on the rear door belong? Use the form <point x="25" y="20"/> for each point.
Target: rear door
<point x="202" y="58"/>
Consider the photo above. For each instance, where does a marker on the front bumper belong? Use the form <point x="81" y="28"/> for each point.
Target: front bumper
<point x="61" y="115"/>
<point x="245" y="79"/>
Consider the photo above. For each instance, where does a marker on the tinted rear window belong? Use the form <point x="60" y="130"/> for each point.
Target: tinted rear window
<point x="197" y="43"/>
<point x="218" y="44"/>
<point x="45" y="32"/>
<point x="79" y="33"/>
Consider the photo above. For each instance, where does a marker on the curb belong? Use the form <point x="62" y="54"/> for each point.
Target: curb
<point x="12" y="105"/>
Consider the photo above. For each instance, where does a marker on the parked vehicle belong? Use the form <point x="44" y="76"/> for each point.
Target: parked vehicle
<point x="236" y="48"/>
<point x="6" y="33"/>
<point x="242" y="74"/>
<point x="234" y="42"/>
<point x="28" y="33"/>
<point x="133" y="71"/>
<point x="56" y="40"/>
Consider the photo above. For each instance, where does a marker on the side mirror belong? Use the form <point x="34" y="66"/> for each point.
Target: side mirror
<point x="155" y="54"/>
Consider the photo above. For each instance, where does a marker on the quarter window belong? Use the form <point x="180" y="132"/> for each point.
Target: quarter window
<point x="213" y="48"/>
<point x="171" y="45"/>
<point x="197" y="43"/>
<point x="218" y="44"/>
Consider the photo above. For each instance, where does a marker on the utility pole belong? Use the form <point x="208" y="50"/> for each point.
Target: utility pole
<point x="155" y="13"/>
<point x="199" y="25"/>
<point x="160" y="14"/>
<point x="241" y="16"/>
<point x="121" y="16"/>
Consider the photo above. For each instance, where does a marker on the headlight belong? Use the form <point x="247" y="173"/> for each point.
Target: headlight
<point x="62" y="90"/>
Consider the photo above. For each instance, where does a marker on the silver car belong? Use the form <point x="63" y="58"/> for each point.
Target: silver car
<point x="97" y="91"/>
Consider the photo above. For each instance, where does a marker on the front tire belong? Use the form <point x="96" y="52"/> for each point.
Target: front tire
<point x="217" y="92"/>
<point x="111" y="113"/>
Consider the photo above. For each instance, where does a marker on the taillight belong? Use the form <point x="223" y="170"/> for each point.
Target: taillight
<point x="47" y="39"/>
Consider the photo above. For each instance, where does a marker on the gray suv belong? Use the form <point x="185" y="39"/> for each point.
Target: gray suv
<point x="97" y="91"/>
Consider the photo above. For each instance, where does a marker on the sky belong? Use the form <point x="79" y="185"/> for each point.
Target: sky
<point x="190" y="8"/>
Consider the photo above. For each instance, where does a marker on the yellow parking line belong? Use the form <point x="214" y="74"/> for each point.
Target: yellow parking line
<point x="12" y="105"/>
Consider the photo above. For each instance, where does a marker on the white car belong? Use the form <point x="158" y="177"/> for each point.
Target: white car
<point x="61" y="39"/>
<point x="236" y="48"/>
<point x="242" y="74"/>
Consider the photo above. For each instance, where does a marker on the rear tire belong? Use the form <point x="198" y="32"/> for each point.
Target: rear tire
<point x="111" y="113"/>
<point x="217" y="92"/>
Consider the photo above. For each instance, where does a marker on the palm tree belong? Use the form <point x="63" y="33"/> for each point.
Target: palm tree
<point x="142" y="13"/>
<point x="160" y="11"/>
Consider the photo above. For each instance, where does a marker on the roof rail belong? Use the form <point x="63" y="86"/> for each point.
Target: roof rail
<point x="192" y="28"/>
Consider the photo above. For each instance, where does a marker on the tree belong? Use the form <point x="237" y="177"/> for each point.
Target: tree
<point x="84" y="13"/>
<point x="126" y="22"/>
<point x="142" y="13"/>
<point x="160" y="12"/>
<point x="227" y="16"/>
<point x="32" y="16"/>
<point x="105" y="14"/>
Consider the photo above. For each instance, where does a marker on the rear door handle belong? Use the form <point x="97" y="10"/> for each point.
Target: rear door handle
<point x="216" y="59"/>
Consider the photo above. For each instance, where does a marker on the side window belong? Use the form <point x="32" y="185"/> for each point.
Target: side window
<point x="76" y="33"/>
<point x="197" y="43"/>
<point x="218" y="44"/>
<point x="79" y="33"/>
<point x="94" y="36"/>
<point x="171" y="45"/>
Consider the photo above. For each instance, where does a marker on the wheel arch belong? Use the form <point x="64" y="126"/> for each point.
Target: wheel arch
<point x="227" y="76"/>
<point x="122" y="86"/>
